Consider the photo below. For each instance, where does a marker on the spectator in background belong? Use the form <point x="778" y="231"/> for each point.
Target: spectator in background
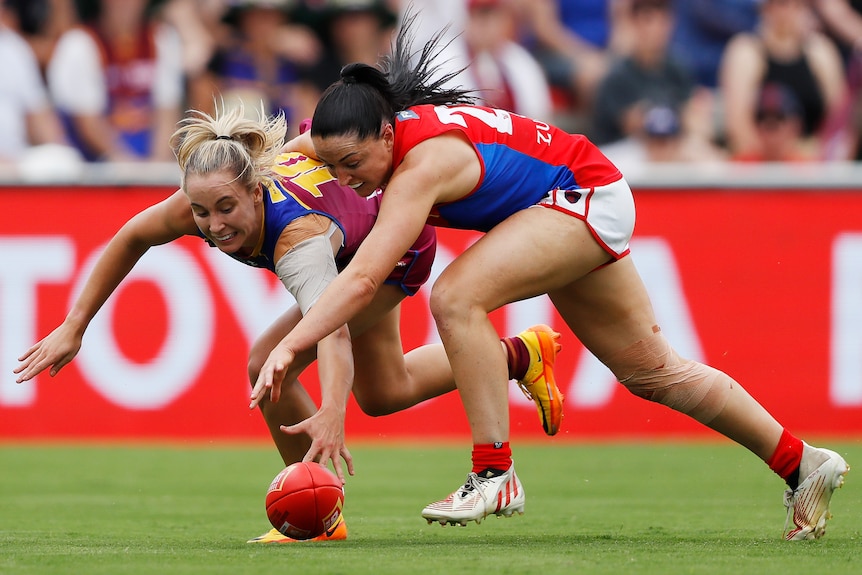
<point x="778" y="122"/>
<point x="661" y="141"/>
<point x="433" y="17"/>
<point x="118" y="82"/>
<point x="349" y="31"/>
<point x="257" y="64"/>
<point x="702" y="30"/>
<point x="27" y="117"/>
<point x="501" y="71"/>
<point x="842" y="20"/>
<point x="662" y="136"/>
<point x="58" y="16"/>
<point x="785" y="49"/>
<point x="658" y="141"/>
<point x="505" y="73"/>
<point x="575" y="41"/>
<point x="647" y="78"/>
<point x="199" y="26"/>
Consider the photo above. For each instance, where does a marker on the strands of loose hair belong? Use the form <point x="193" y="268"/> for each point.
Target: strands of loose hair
<point x="367" y="97"/>
<point x="229" y="141"/>
<point x="414" y="76"/>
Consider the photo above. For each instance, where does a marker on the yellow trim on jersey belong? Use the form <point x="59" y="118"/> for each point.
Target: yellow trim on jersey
<point x="259" y="246"/>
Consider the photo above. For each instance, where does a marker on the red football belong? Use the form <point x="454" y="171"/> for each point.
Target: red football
<point x="304" y="500"/>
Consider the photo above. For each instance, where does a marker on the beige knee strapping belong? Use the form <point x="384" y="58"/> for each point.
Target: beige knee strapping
<point x="651" y="369"/>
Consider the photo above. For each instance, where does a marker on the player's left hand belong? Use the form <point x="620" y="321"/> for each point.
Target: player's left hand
<point x="326" y="430"/>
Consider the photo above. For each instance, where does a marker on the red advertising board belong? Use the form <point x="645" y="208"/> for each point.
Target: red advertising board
<point x="765" y="285"/>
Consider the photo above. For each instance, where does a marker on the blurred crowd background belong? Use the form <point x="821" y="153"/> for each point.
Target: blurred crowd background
<point x="647" y="80"/>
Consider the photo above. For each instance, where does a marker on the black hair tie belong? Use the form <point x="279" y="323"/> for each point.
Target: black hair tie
<point x="223" y="138"/>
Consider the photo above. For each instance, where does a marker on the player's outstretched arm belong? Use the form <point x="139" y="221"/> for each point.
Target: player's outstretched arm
<point x="158" y="224"/>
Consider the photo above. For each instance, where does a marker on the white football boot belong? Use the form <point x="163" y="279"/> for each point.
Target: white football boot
<point x="808" y="505"/>
<point x="481" y="495"/>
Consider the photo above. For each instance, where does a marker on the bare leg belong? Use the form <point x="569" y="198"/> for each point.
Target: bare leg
<point x="544" y="250"/>
<point x="386" y="380"/>
<point x="295" y="404"/>
<point x="747" y="423"/>
<point x="609" y="310"/>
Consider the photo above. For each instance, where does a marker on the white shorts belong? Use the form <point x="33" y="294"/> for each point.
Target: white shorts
<point x="608" y="211"/>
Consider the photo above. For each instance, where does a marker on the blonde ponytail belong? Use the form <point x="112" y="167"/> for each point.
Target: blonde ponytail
<point x="229" y="141"/>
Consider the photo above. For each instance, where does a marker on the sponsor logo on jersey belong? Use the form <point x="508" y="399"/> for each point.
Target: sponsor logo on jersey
<point x="406" y="115"/>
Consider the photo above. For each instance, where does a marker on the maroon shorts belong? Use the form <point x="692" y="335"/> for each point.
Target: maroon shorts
<point x="414" y="267"/>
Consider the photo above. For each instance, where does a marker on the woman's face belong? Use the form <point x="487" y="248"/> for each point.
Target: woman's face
<point x="362" y="164"/>
<point x="789" y="16"/>
<point x="227" y="213"/>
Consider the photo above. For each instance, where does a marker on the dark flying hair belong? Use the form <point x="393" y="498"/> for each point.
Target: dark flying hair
<point x="366" y="97"/>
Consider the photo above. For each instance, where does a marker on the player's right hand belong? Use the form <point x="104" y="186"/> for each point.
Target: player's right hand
<point x="272" y="375"/>
<point x="56" y="350"/>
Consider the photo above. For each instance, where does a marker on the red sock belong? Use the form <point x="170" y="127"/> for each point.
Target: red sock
<point x="492" y="455"/>
<point x="785" y="461"/>
<point x="517" y="357"/>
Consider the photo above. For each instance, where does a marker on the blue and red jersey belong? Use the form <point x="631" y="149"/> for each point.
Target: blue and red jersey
<point x="521" y="159"/>
<point x="130" y="72"/>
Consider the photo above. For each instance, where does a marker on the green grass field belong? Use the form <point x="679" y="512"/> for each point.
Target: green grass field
<point x="617" y="508"/>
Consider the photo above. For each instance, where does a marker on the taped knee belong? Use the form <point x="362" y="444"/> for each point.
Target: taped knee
<point x="651" y="369"/>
